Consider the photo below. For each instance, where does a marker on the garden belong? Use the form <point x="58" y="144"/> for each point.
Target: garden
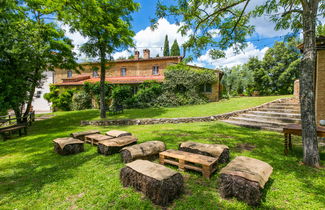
<point x="33" y="176"/>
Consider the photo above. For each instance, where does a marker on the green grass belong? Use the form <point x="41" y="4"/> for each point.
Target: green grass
<point x="32" y="176"/>
<point x="202" y="110"/>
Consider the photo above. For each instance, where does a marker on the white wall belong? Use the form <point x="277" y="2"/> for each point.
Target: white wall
<point x="40" y="105"/>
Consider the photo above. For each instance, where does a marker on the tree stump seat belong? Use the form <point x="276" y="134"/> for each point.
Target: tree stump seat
<point x="244" y="178"/>
<point x="160" y="184"/>
<point x="114" y="145"/>
<point x="219" y="151"/>
<point x="146" y="151"/>
<point x="94" y="139"/>
<point x="186" y="160"/>
<point x="68" y="146"/>
<point x="117" y="133"/>
<point x="81" y="135"/>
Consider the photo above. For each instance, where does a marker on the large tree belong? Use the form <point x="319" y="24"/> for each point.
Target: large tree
<point x="29" y="47"/>
<point x="230" y="19"/>
<point x="106" y="24"/>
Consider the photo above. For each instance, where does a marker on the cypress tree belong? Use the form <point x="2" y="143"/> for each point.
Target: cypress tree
<point x="175" y="51"/>
<point x="166" y="46"/>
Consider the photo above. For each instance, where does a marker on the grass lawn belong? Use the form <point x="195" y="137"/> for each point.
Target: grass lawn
<point x="203" y="110"/>
<point x="32" y="176"/>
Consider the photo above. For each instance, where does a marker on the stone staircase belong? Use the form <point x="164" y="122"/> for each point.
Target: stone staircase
<point x="272" y="116"/>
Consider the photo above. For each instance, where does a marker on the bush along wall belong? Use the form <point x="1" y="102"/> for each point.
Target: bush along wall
<point x="182" y="85"/>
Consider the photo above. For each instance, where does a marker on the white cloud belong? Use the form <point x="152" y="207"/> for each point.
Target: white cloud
<point x="154" y="39"/>
<point x="77" y="40"/>
<point x="231" y="59"/>
<point x="123" y="54"/>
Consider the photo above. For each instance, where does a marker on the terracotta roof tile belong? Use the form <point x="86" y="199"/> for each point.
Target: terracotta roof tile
<point x="115" y="80"/>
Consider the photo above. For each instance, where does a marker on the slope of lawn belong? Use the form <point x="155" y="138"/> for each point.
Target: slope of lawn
<point x="202" y="110"/>
<point x="32" y="176"/>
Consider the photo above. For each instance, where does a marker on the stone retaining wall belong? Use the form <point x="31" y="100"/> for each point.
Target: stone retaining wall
<point x="148" y="121"/>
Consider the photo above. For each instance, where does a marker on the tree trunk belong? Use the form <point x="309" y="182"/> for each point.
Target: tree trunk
<point x="307" y="83"/>
<point x="102" y="83"/>
<point x="29" y="103"/>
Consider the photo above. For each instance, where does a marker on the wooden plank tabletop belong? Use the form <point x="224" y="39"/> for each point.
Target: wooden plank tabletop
<point x="296" y="129"/>
<point x="98" y="137"/>
<point x="191" y="157"/>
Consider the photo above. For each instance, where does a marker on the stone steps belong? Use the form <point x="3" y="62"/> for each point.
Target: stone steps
<point x="279" y="110"/>
<point x="254" y="126"/>
<point x="276" y="114"/>
<point x="272" y="116"/>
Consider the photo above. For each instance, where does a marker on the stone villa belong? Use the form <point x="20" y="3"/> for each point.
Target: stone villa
<point x="132" y="72"/>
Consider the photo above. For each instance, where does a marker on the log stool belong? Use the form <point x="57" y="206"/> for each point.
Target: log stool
<point x="159" y="183"/>
<point x="186" y="160"/>
<point x="146" y="151"/>
<point x="94" y="139"/>
<point x="244" y="178"/>
<point x="68" y="146"/>
<point x="81" y="135"/>
<point x="219" y="151"/>
<point x="116" y="133"/>
<point x="111" y="146"/>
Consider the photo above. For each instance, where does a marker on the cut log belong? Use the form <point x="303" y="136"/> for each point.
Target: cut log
<point x="116" y="133"/>
<point x="81" y="135"/>
<point x="68" y="146"/>
<point x="146" y="151"/>
<point x="219" y="151"/>
<point x="160" y="184"/>
<point x="112" y="146"/>
<point x="244" y="178"/>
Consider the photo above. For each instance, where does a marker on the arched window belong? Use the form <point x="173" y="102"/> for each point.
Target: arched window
<point x="69" y="74"/>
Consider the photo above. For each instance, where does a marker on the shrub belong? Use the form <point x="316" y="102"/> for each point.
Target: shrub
<point x="81" y="100"/>
<point x="93" y="90"/>
<point x="120" y="95"/>
<point x="61" y="100"/>
<point x="182" y="85"/>
<point x="146" y="95"/>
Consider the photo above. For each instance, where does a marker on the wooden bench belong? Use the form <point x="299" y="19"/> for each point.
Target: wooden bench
<point x="94" y="139"/>
<point x="118" y="109"/>
<point x="295" y="129"/>
<point x="7" y="131"/>
<point x="186" y="160"/>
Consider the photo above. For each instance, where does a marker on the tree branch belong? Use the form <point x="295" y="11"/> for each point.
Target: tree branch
<point x="217" y="12"/>
<point x="241" y="15"/>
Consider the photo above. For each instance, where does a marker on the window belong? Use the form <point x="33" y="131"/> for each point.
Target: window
<point x="123" y="72"/>
<point x="69" y="74"/>
<point x="155" y="70"/>
<point x="206" y="88"/>
<point x="95" y="73"/>
<point x="38" y="94"/>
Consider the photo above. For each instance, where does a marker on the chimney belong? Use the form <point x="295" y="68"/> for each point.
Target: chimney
<point x="136" y="55"/>
<point x="146" y="53"/>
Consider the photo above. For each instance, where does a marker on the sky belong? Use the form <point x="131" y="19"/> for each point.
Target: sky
<point x="263" y="38"/>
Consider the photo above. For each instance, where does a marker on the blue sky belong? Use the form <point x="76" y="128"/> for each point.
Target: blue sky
<point x="263" y="38"/>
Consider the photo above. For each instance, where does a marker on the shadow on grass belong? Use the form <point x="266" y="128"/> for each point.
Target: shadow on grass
<point x="38" y="165"/>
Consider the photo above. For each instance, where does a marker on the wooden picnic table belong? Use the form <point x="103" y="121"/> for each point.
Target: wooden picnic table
<point x="295" y="129"/>
<point x="186" y="160"/>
